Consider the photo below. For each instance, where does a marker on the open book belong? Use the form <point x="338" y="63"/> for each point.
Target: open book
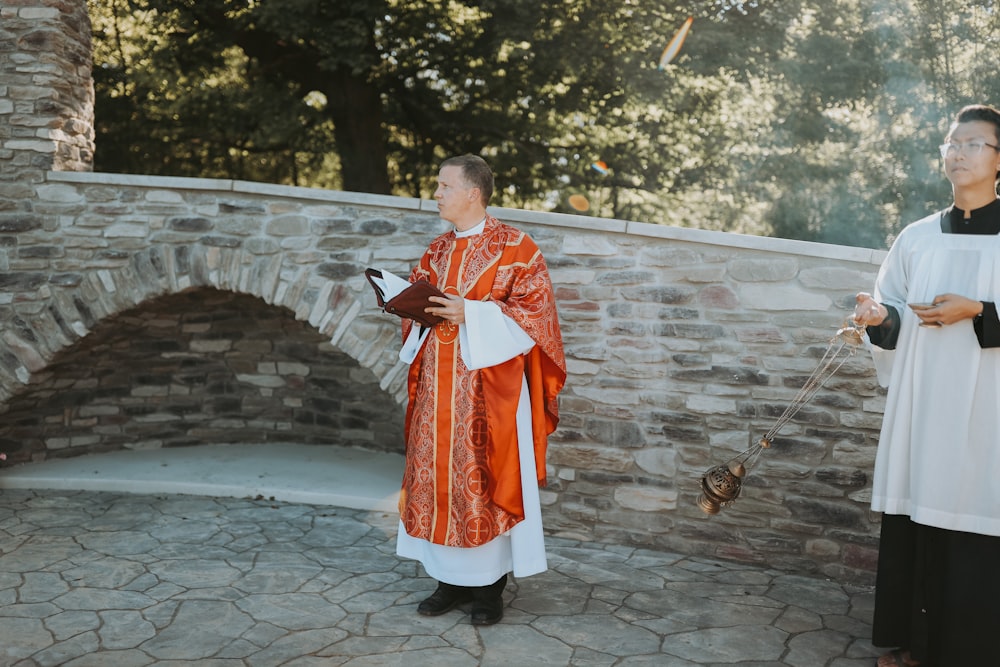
<point x="400" y="297"/>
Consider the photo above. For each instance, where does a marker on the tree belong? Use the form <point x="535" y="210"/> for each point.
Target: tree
<point x="222" y="89"/>
<point x="389" y="87"/>
<point x="802" y="118"/>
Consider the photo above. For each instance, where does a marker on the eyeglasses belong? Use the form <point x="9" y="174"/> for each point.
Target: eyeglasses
<point x="969" y="148"/>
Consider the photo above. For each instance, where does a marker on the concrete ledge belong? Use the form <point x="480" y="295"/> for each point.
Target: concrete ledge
<point x="140" y="180"/>
<point x="310" y="474"/>
<point x="319" y="194"/>
<point x="559" y="220"/>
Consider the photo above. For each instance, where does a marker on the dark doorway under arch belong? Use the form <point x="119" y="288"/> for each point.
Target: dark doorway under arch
<point x="203" y="366"/>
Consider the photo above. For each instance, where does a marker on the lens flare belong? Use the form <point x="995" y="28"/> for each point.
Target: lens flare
<point x="579" y="203"/>
<point x="675" y="44"/>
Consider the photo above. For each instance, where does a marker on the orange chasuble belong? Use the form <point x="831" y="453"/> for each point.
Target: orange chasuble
<point x="461" y="483"/>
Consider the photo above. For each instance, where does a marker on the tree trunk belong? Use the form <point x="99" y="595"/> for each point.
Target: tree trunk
<point x="356" y="109"/>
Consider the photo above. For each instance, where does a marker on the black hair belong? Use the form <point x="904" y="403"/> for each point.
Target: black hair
<point x="984" y="113"/>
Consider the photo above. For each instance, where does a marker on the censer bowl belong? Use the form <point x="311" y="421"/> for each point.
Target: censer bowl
<point x="720" y="486"/>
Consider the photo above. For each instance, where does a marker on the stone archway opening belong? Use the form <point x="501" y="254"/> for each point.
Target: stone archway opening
<point x="203" y="366"/>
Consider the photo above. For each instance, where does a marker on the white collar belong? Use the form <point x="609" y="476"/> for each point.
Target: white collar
<point x="472" y="231"/>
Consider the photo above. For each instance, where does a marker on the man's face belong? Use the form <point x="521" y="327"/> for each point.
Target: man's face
<point x="973" y="159"/>
<point x="457" y="202"/>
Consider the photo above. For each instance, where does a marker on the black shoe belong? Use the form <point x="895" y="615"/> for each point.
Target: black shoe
<point x="444" y="599"/>
<point x="487" y="604"/>
<point x="487" y="611"/>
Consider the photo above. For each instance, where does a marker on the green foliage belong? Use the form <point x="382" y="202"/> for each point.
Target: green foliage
<point x="795" y="118"/>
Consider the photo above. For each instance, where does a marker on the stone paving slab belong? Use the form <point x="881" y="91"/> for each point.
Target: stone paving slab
<point x="108" y="579"/>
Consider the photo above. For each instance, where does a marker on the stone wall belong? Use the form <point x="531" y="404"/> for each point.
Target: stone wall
<point x="155" y="312"/>
<point x="199" y="366"/>
<point x="46" y="90"/>
<point x="142" y="311"/>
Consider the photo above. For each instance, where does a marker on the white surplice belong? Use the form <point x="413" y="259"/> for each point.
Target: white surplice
<point x="938" y="457"/>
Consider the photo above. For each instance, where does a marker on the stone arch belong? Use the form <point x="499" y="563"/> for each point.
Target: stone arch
<point x="83" y="304"/>
<point x="328" y="305"/>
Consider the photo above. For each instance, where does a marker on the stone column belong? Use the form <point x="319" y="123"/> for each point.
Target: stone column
<point x="46" y="89"/>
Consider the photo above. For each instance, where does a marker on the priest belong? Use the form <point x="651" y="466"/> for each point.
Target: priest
<point x="482" y="401"/>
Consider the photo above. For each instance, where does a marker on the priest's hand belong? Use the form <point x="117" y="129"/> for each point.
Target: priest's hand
<point x="452" y="308"/>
